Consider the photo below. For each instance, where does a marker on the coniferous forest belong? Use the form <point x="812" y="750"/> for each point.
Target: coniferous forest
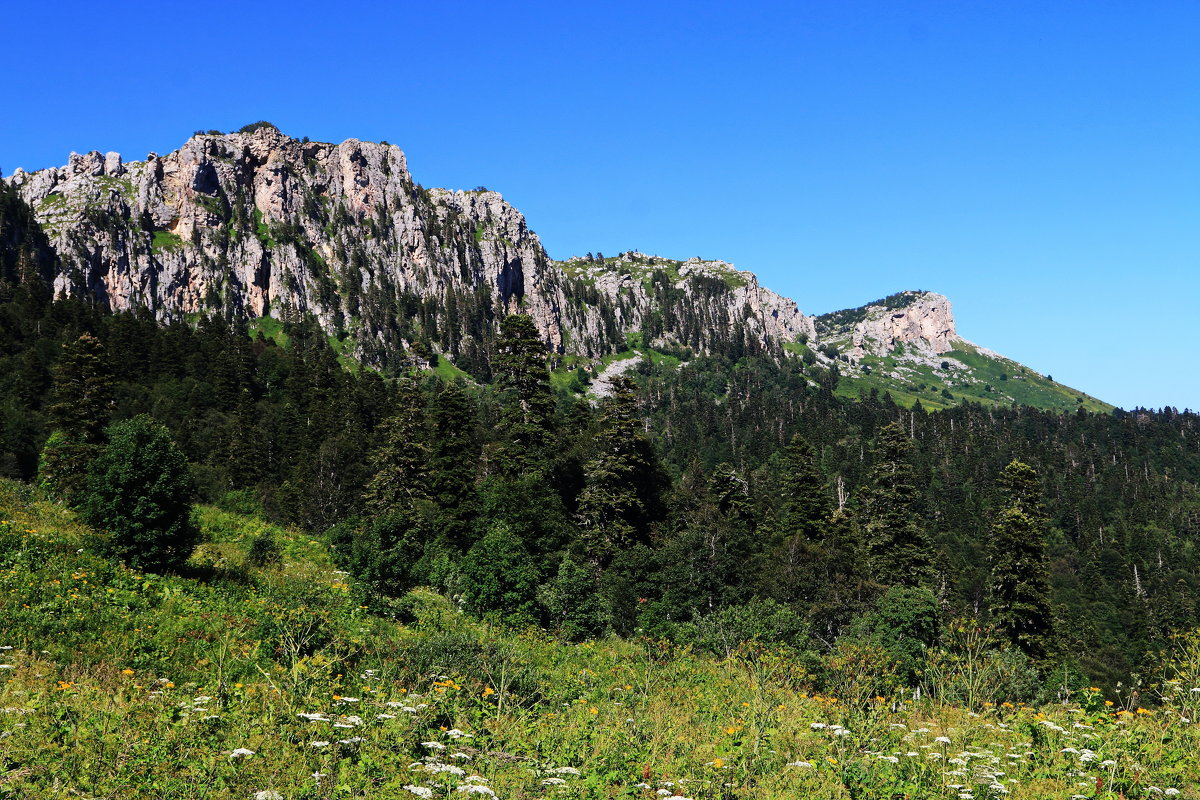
<point x="716" y="503"/>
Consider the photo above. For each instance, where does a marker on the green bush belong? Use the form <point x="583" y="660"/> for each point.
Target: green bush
<point x="139" y="492"/>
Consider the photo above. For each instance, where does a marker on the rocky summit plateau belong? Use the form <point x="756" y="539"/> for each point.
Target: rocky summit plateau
<point x="257" y="225"/>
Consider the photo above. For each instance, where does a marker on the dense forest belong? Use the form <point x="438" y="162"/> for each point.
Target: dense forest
<point x="719" y="501"/>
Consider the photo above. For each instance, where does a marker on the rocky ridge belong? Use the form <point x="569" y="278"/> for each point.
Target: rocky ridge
<point x="256" y="223"/>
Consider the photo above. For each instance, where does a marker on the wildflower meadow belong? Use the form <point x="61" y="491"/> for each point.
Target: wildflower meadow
<point x="282" y="683"/>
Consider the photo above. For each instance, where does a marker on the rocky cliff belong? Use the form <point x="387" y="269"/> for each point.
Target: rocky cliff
<point x="256" y="223"/>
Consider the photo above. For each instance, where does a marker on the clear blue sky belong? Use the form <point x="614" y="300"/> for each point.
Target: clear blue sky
<point x="1037" y="162"/>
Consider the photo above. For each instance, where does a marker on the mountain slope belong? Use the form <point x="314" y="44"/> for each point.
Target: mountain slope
<point x="255" y="224"/>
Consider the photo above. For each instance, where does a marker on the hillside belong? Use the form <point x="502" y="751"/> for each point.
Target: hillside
<point x="289" y="681"/>
<point x="258" y="225"/>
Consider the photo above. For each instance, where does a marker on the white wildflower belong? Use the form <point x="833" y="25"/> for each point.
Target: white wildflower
<point x="420" y="791"/>
<point x="942" y="740"/>
<point x="474" y="788"/>
<point x="816" y="726"/>
<point x="553" y="782"/>
<point x="268" y="794"/>
<point x="455" y="733"/>
<point x="460" y="756"/>
<point x="476" y="779"/>
<point x="314" y="716"/>
<point x="450" y="768"/>
<point x="805" y="764"/>
<point x="433" y="745"/>
<point x="565" y="771"/>
<point x="241" y="752"/>
<point x="320" y="744"/>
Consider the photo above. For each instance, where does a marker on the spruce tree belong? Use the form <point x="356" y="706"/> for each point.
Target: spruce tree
<point x="805" y="508"/>
<point x="899" y="548"/>
<point x="527" y="421"/>
<point x="1019" y="588"/>
<point x="452" y="459"/>
<point x="81" y="402"/>
<point x="622" y="481"/>
<point x="398" y="466"/>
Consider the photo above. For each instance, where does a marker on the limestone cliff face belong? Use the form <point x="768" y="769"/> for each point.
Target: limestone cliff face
<point x="259" y="223"/>
<point x="254" y="224"/>
<point x="927" y="322"/>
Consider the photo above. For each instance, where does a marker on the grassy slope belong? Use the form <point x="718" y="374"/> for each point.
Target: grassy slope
<point x="118" y="684"/>
<point x="967" y="379"/>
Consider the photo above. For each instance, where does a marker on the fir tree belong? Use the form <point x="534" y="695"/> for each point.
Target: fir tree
<point x="81" y="402"/>
<point x="805" y="508"/>
<point x="398" y="466"/>
<point x="622" y="482"/>
<point x="82" y="395"/>
<point x="1019" y="588"/>
<point x="527" y="422"/>
<point x="452" y="459"/>
<point x="900" y="550"/>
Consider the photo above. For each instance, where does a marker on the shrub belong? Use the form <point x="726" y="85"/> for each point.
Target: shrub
<point x="139" y="492"/>
<point x="253" y="126"/>
<point x="264" y="551"/>
<point x="499" y="575"/>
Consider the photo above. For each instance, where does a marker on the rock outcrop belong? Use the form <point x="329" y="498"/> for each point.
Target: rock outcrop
<point x="257" y="223"/>
<point x="926" y="322"/>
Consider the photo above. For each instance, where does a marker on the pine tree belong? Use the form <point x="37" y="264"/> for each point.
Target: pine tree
<point x="452" y="459"/>
<point x="82" y="395"/>
<point x="1019" y="587"/>
<point x="806" y="507"/>
<point x="799" y="528"/>
<point x="398" y="466"/>
<point x="527" y="422"/>
<point x="81" y="402"/>
<point x="623" y="480"/>
<point x="899" y="548"/>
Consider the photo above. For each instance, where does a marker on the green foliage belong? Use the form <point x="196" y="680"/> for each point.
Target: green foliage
<point x="190" y="669"/>
<point x="165" y="242"/>
<point x="253" y="126"/>
<point x="399" y="464"/>
<point x="572" y="601"/>
<point x="622" y="483"/>
<point x="1019" y="592"/>
<point x="499" y="576"/>
<point x="264" y="551"/>
<point x="527" y="422"/>
<point x="139" y="492"/>
<point x="760" y="621"/>
<point x="900" y="550"/>
<point x="63" y="465"/>
<point x="905" y="625"/>
<point x="81" y="404"/>
<point x="82" y="395"/>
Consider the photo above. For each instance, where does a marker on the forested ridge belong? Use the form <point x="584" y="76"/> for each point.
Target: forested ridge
<point x="722" y="500"/>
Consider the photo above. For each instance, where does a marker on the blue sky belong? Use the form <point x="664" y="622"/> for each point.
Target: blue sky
<point x="1037" y="162"/>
